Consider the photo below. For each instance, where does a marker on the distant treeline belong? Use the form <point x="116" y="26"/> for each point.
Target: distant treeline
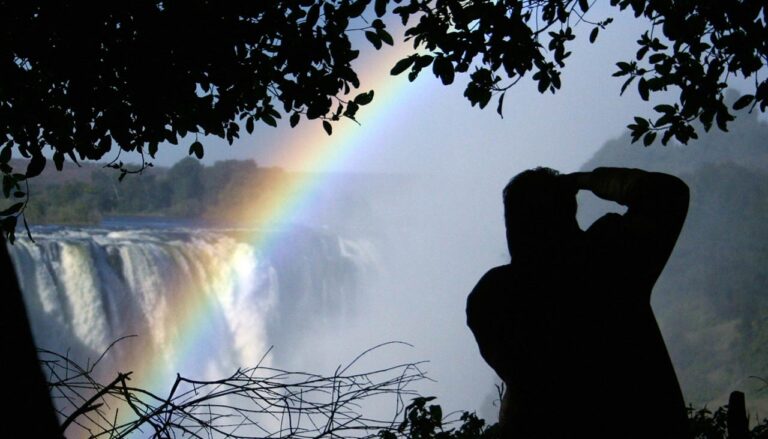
<point x="185" y="190"/>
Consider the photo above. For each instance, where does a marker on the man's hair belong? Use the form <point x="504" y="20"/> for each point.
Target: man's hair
<point x="535" y="202"/>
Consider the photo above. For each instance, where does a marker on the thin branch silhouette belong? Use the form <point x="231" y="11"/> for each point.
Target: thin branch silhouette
<point x="254" y="402"/>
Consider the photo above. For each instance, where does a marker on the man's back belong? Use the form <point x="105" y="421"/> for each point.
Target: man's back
<point x="572" y="332"/>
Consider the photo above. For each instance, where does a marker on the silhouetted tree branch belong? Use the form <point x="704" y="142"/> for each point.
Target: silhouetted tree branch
<point x="262" y="402"/>
<point x="83" y="78"/>
<point x="252" y="402"/>
<point x="692" y="47"/>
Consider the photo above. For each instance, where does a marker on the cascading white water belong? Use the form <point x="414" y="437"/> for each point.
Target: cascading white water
<point x="85" y="288"/>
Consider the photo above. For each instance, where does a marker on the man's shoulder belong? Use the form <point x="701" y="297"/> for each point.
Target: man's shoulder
<point x="502" y="271"/>
<point x="610" y="222"/>
<point x="485" y="298"/>
<point x="496" y="276"/>
<point x="608" y="230"/>
<point x="493" y="283"/>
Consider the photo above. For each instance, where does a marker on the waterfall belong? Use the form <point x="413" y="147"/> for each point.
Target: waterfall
<point x="202" y="302"/>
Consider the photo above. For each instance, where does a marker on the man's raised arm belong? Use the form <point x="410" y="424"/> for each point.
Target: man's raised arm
<point x="656" y="203"/>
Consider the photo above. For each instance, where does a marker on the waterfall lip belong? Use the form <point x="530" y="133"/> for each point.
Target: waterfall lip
<point x="126" y="230"/>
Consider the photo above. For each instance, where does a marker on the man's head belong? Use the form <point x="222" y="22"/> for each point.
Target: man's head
<point x="539" y="207"/>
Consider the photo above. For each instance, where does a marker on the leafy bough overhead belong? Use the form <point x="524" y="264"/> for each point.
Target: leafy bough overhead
<point x="83" y="78"/>
<point x="693" y="47"/>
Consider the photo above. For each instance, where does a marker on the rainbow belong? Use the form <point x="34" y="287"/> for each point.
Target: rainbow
<point x="310" y="149"/>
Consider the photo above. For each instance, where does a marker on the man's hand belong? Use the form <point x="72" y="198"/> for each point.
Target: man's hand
<point x="612" y="184"/>
<point x="576" y="181"/>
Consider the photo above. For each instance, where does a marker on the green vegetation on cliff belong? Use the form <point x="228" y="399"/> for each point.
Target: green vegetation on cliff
<point x="185" y="190"/>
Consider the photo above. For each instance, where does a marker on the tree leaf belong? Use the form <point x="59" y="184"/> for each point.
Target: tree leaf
<point x="363" y="98"/>
<point x="152" y="149"/>
<point x="543" y="83"/>
<point x="722" y="117"/>
<point x="8" y="184"/>
<point x="269" y="120"/>
<point x="294" y="120"/>
<point x="642" y="88"/>
<point x="500" y="106"/>
<point x="743" y="102"/>
<point x="624" y="68"/>
<point x="402" y="65"/>
<point x="373" y="37"/>
<point x="437" y="66"/>
<point x="5" y="154"/>
<point x="356" y="9"/>
<point x="196" y="148"/>
<point x="385" y="37"/>
<point x="626" y="84"/>
<point x="649" y="137"/>
<point x="664" y="108"/>
<point x="380" y="7"/>
<point x="12" y="210"/>
<point x="666" y="137"/>
<point x="351" y="110"/>
<point x="312" y="16"/>
<point x="443" y="68"/>
<point x="327" y="127"/>
<point x="58" y="160"/>
<point x="641" y="53"/>
<point x="593" y="34"/>
<point x="105" y="144"/>
<point x="8" y="225"/>
<point x="36" y="165"/>
<point x="423" y="61"/>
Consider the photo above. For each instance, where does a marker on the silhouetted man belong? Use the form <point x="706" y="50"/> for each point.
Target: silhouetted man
<point x="568" y="323"/>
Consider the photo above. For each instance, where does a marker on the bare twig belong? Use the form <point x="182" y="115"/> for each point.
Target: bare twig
<point x="253" y="402"/>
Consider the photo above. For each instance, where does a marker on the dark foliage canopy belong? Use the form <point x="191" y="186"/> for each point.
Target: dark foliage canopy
<point x="81" y="79"/>
<point x="692" y="46"/>
<point x="85" y="78"/>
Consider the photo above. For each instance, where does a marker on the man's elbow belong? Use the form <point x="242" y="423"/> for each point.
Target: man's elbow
<point x="675" y="193"/>
<point x="680" y="194"/>
<point x="679" y="187"/>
